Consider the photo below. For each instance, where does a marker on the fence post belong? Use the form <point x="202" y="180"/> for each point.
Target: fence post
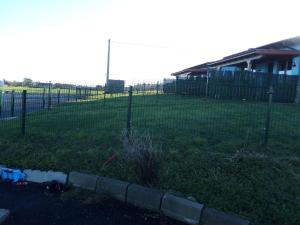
<point x="69" y="91"/>
<point x="12" y="104"/>
<point x="23" y="117"/>
<point x="129" y="110"/>
<point x="1" y="101"/>
<point x="58" y="97"/>
<point x="49" y="96"/>
<point x="157" y="87"/>
<point x="206" y="85"/>
<point x="268" y="119"/>
<point x="297" y="99"/>
<point x="44" y="100"/>
<point x="79" y="93"/>
<point x="76" y="94"/>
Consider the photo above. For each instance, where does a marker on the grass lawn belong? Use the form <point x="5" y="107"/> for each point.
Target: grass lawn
<point x="212" y="149"/>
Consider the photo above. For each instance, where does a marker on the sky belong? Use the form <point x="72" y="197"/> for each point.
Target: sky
<point x="66" y="40"/>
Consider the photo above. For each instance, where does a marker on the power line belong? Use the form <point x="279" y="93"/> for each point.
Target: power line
<point x="151" y="46"/>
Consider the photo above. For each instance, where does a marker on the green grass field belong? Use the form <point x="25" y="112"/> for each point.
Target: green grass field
<point x="212" y="149"/>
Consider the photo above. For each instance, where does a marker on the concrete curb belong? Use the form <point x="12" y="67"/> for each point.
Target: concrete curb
<point x="38" y="176"/>
<point x="214" y="217"/>
<point x="4" y="213"/>
<point x="114" y="188"/>
<point x="178" y="208"/>
<point x="182" y="209"/>
<point x="144" y="197"/>
<point x="82" y="180"/>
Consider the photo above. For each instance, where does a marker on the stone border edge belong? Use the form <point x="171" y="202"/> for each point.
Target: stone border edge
<point x="184" y="209"/>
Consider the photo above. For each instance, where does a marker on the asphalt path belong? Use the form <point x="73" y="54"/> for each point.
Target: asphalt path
<point x="30" y="205"/>
<point x="34" y="102"/>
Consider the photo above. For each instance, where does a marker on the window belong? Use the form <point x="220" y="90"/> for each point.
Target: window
<point x="283" y="63"/>
<point x="289" y="64"/>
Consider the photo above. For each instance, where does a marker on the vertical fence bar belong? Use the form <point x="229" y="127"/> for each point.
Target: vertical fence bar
<point x="23" y="117"/>
<point x="76" y="95"/>
<point x="157" y="87"/>
<point x="44" y="98"/>
<point x="129" y="110"/>
<point x="206" y="85"/>
<point x="58" y="97"/>
<point x="104" y="97"/>
<point x="49" y="96"/>
<point x="69" y="91"/>
<point x="12" y="104"/>
<point x="1" y="101"/>
<point x="268" y="118"/>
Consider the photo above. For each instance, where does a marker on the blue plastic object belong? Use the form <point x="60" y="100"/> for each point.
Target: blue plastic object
<point x="11" y="174"/>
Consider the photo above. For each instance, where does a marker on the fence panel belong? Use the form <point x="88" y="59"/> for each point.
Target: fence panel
<point x="229" y="120"/>
<point x="238" y="85"/>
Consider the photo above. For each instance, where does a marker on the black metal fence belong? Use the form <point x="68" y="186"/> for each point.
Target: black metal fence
<point x="237" y="85"/>
<point x="89" y="114"/>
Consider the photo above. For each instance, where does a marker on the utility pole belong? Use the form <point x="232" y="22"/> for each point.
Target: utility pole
<point x="108" y="60"/>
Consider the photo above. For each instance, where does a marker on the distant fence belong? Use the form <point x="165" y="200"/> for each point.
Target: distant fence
<point x="238" y="85"/>
<point x="11" y="98"/>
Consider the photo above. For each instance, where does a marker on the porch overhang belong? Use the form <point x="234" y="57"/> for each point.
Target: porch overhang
<point x="253" y="54"/>
<point x="199" y="69"/>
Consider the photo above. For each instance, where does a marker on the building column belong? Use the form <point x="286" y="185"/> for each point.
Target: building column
<point x="275" y="68"/>
<point x="249" y="65"/>
<point x="285" y="67"/>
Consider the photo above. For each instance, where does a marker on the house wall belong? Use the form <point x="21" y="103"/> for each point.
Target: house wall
<point x="261" y="67"/>
<point x="230" y="69"/>
<point x="296" y="69"/>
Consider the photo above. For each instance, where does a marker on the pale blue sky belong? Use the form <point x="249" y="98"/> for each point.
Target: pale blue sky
<point x="66" y="40"/>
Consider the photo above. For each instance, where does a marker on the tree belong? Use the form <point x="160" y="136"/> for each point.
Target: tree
<point x="27" y="82"/>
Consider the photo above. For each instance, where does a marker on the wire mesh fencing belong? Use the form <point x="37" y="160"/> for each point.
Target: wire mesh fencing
<point x="85" y="116"/>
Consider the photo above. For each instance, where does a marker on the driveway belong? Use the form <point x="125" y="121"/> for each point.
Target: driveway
<point x="34" y="102"/>
<point x="30" y="205"/>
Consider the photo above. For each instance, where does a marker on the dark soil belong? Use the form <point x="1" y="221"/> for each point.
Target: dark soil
<point x="30" y="205"/>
